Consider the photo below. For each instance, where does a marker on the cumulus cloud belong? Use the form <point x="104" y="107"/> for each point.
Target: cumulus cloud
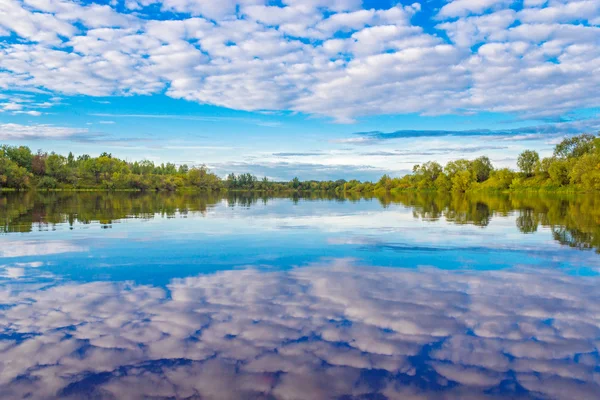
<point x="329" y="58"/>
<point x="328" y="330"/>
<point x="461" y="8"/>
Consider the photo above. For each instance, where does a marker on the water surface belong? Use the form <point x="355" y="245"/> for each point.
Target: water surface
<point x="187" y="296"/>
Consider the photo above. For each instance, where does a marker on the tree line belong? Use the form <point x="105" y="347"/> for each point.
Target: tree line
<point x="575" y="165"/>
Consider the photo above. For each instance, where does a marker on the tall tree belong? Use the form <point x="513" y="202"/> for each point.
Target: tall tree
<point x="575" y="146"/>
<point x="528" y="161"/>
<point x="481" y="168"/>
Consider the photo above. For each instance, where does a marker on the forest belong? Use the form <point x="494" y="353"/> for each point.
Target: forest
<point x="573" y="167"/>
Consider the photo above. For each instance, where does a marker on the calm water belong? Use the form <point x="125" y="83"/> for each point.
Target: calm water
<point x="131" y="296"/>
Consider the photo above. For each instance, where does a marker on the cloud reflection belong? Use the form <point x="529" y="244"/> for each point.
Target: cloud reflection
<point x="27" y="248"/>
<point x="329" y="330"/>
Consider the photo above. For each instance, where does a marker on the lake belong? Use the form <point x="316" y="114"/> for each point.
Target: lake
<point x="415" y="296"/>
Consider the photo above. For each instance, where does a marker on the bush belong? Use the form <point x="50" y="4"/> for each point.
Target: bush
<point x="47" y="183"/>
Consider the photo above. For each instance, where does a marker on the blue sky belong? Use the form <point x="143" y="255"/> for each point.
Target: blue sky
<point x="310" y="88"/>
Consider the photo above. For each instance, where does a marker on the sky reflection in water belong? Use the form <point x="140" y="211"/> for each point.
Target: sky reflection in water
<point x="318" y="299"/>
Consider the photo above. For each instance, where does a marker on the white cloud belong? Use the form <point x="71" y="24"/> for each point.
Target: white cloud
<point x="561" y="11"/>
<point x="14" y="272"/>
<point x="40" y="131"/>
<point x="32" y="113"/>
<point x="308" y="332"/>
<point x="476" y="29"/>
<point x="461" y="8"/>
<point x="322" y="57"/>
<point x="11" y="106"/>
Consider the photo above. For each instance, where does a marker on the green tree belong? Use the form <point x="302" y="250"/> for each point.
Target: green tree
<point x="425" y="175"/>
<point x="12" y="175"/>
<point x="21" y="155"/>
<point x="196" y="176"/>
<point x="558" y="171"/>
<point x="56" y="167"/>
<point x="384" y="183"/>
<point x="92" y="167"/>
<point x="502" y="178"/>
<point x="231" y="182"/>
<point x="454" y="167"/>
<point x="575" y="146"/>
<point x="528" y="162"/>
<point x="443" y="183"/>
<point x="461" y="181"/>
<point x="295" y="183"/>
<point x="481" y="168"/>
<point x="585" y="170"/>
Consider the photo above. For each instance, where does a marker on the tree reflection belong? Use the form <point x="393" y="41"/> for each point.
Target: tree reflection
<point x="527" y="222"/>
<point x="573" y="220"/>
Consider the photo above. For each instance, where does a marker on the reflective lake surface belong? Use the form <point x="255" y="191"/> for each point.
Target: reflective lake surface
<point x="131" y="296"/>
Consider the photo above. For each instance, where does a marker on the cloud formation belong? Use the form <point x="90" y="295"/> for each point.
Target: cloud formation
<point x="330" y="330"/>
<point x="322" y="57"/>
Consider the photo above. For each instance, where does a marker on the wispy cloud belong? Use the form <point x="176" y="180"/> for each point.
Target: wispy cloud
<point x="40" y="131"/>
<point x="253" y="121"/>
<point x="19" y="103"/>
<point x="27" y="248"/>
<point x="434" y="151"/>
<point x="536" y="132"/>
<point x="306" y="154"/>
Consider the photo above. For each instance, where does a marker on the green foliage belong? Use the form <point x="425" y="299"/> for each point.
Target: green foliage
<point x="443" y="183"/>
<point x="295" y="183"/>
<point x="573" y="220"/>
<point x="586" y="171"/>
<point x="558" y="171"/>
<point x="575" y="146"/>
<point x="47" y="182"/>
<point x="462" y="181"/>
<point x="528" y="162"/>
<point x="12" y="175"/>
<point x="425" y="175"/>
<point x="575" y="166"/>
<point x="56" y="167"/>
<point x="499" y="179"/>
<point x="454" y="167"/>
<point x="481" y="168"/>
<point x="21" y="155"/>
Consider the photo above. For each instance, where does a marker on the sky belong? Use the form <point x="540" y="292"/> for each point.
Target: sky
<point x="319" y="89"/>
